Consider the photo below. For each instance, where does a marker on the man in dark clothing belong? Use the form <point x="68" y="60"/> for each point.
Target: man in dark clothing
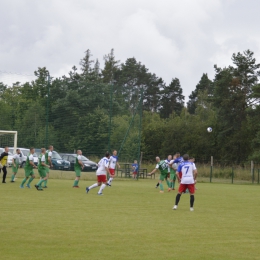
<point x="3" y="162"/>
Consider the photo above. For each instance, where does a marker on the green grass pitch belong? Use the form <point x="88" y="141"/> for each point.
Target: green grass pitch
<point x="131" y="221"/>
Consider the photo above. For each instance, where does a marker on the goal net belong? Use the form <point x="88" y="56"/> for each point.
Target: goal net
<point x="8" y="138"/>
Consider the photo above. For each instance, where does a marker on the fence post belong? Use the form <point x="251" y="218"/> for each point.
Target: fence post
<point x="258" y="176"/>
<point x="232" y="175"/>
<point x="252" y="171"/>
<point x="211" y="168"/>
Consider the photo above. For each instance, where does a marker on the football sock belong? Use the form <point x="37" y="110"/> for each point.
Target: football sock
<point x="76" y="182"/>
<point x="110" y="180"/>
<point x="168" y="184"/>
<point x="30" y="180"/>
<point x="178" y="196"/>
<point x="161" y="186"/>
<point x="40" y="182"/>
<point x="93" y="186"/>
<point x="192" y="199"/>
<point x="12" y="178"/>
<point x="45" y="183"/>
<point x="102" y="188"/>
<point x="157" y="184"/>
<point x="173" y="184"/>
<point x="23" y="182"/>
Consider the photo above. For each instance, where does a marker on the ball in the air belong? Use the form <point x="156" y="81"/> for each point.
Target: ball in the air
<point x="209" y="129"/>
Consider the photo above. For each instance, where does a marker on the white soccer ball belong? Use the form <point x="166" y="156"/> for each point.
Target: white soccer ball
<point x="209" y="129"/>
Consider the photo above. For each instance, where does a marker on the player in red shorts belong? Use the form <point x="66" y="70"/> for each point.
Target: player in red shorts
<point x="189" y="174"/>
<point x="113" y="162"/>
<point x="101" y="174"/>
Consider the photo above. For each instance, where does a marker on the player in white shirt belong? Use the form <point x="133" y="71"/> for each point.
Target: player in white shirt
<point x="113" y="162"/>
<point x="188" y="172"/>
<point x="101" y="173"/>
<point x="15" y="163"/>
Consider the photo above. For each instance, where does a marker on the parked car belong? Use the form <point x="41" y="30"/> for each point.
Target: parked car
<point x="88" y="165"/>
<point x="57" y="162"/>
<point x="24" y="153"/>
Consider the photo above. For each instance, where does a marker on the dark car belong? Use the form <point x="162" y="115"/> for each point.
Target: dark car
<point x="57" y="162"/>
<point x="88" y="165"/>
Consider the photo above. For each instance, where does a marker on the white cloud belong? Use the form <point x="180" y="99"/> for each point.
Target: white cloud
<point x="180" y="39"/>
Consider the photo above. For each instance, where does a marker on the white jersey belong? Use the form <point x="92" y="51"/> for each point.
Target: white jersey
<point x="102" y="165"/>
<point x="186" y="168"/>
<point x="16" y="158"/>
<point x="50" y="154"/>
<point x="112" y="161"/>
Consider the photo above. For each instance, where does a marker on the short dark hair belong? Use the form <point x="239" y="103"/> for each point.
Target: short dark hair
<point x="107" y="154"/>
<point x="31" y="148"/>
<point x="185" y="157"/>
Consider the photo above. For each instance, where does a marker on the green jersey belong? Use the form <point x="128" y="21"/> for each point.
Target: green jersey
<point x="28" y="166"/>
<point x="48" y="154"/>
<point x="163" y="167"/>
<point x="77" y="165"/>
<point x="41" y="160"/>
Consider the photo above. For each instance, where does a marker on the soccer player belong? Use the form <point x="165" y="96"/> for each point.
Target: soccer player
<point x="173" y="168"/>
<point x="3" y="161"/>
<point x="163" y="167"/>
<point x="48" y="155"/>
<point x="135" y="169"/>
<point x="101" y="174"/>
<point x="42" y="166"/>
<point x="15" y="163"/>
<point x="77" y="168"/>
<point x="29" y="165"/>
<point x="178" y="159"/>
<point x="187" y="180"/>
<point x="113" y="162"/>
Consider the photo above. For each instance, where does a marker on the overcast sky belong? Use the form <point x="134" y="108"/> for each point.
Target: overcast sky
<point x="182" y="39"/>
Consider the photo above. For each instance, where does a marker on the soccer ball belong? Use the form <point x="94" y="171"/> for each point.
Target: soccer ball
<point x="209" y="129"/>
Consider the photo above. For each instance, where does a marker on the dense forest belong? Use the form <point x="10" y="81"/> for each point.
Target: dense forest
<point x="91" y="109"/>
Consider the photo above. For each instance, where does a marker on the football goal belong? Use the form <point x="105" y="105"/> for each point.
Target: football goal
<point x="8" y="138"/>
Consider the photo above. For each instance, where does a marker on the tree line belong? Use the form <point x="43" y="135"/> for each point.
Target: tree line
<point x="79" y="107"/>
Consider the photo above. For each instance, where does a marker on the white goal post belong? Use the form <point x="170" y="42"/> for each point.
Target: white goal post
<point x="15" y="133"/>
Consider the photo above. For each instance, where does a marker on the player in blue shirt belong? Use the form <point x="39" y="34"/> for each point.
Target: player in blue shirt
<point x="135" y="169"/>
<point x="179" y="158"/>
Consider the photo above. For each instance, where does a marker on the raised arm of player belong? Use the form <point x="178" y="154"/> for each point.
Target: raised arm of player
<point x="152" y="172"/>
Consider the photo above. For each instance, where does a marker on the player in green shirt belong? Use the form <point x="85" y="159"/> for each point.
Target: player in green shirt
<point x="77" y="168"/>
<point x="42" y="166"/>
<point x="29" y="165"/>
<point x="48" y="162"/>
<point x="15" y="163"/>
<point x="163" y="168"/>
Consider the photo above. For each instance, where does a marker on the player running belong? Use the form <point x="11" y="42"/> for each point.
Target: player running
<point x="172" y="168"/>
<point x="42" y="166"/>
<point x="101" y="173"/>
<point x="187" y="180"/>
<point x="15" y="163"/>
<point x="28" y="169"/>
<point x="163" y="167"/>
<point x="48" y="162"/>
<point x="113" y="162"/>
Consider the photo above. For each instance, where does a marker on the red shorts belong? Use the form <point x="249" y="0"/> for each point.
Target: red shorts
<point x="112" y="171"/>
<point x="101" y="178"/>
<point x="134" y="173"/>
<point x="190" y="187"/>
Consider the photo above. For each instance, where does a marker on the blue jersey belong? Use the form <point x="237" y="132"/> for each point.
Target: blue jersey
<point x="135" y="167"/>
<point x="178" y="160"/>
